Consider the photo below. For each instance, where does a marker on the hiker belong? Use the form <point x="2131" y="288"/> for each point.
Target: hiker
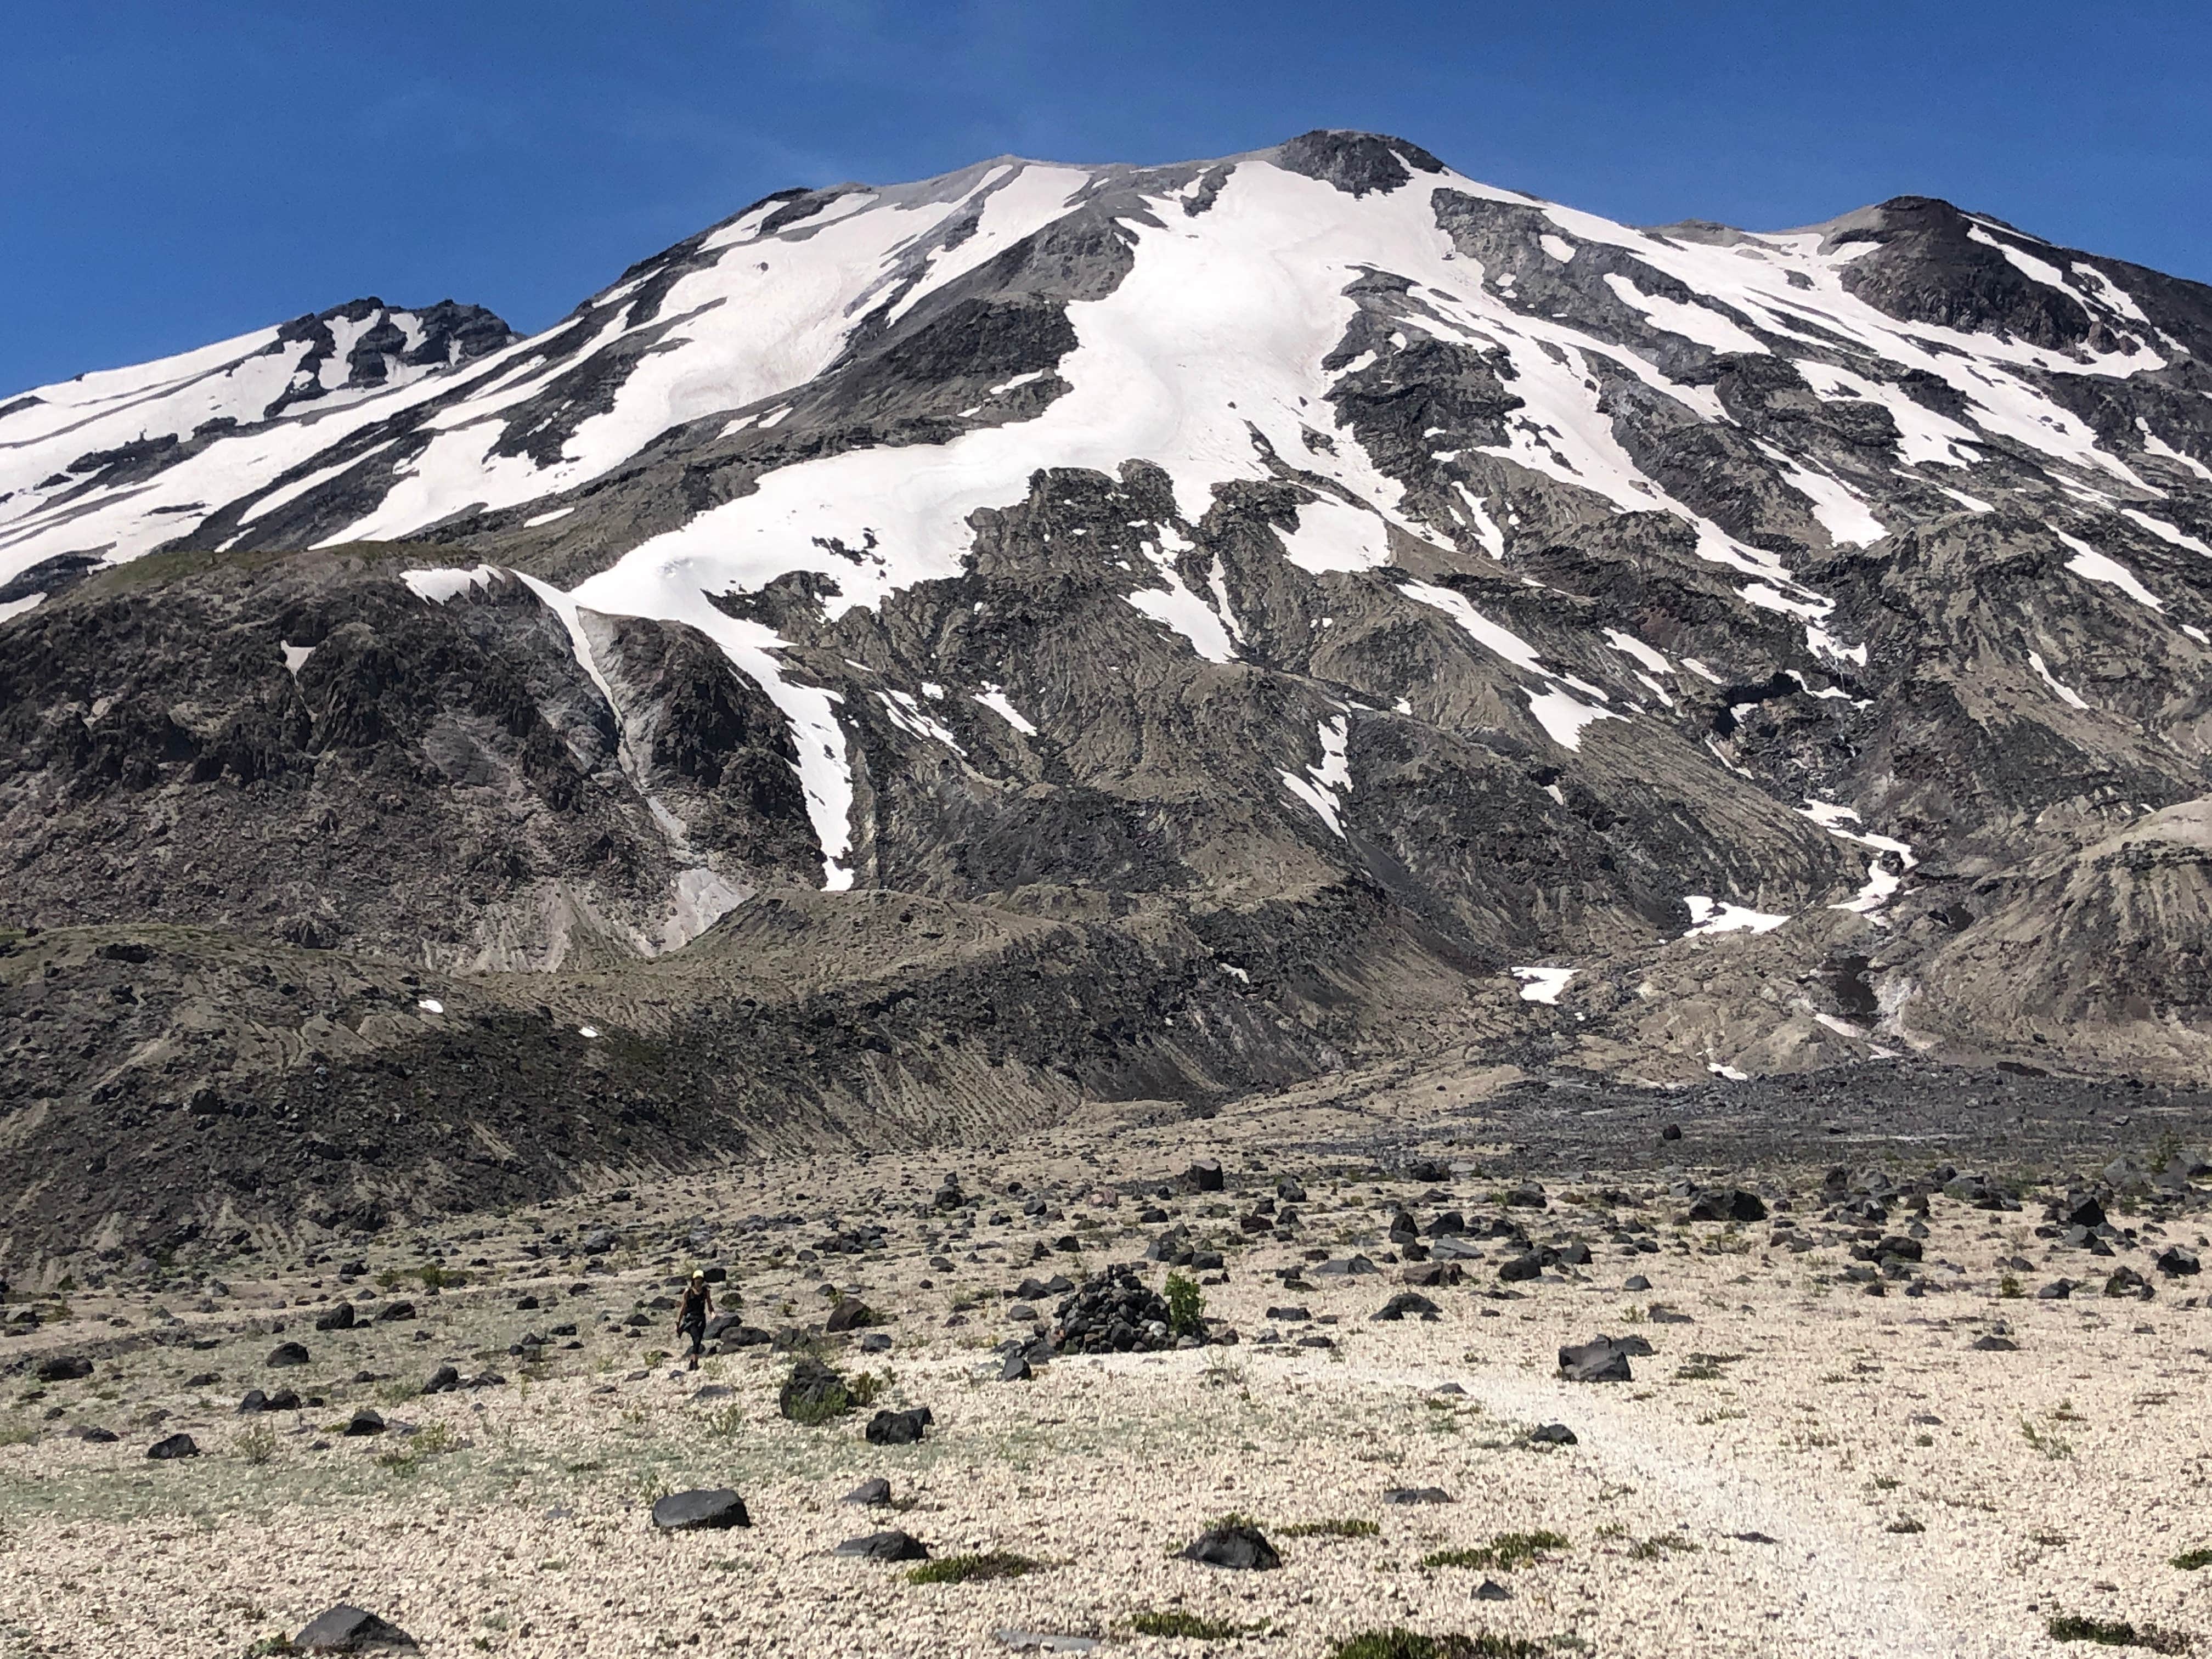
<point x="691" y="1314"/>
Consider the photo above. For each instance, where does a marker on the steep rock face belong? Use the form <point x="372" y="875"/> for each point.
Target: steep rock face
<point x="1349" y="573"/>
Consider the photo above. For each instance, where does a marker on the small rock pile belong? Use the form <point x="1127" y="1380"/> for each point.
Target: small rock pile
<point x="1113" y="1312"/>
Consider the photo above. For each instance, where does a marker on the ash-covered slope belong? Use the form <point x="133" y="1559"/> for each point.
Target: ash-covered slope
<point x="1770" y="628"/>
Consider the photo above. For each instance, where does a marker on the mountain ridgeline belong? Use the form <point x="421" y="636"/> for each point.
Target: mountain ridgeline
<point x="913" y="662"/>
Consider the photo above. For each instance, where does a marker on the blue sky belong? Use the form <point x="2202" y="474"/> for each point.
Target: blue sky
<point x="178" y="173"/>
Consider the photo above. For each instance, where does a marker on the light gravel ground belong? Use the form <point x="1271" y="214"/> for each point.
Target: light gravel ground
<point x="514" y="1520"/>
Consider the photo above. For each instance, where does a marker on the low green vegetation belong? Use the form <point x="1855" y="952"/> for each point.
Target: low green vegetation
<point x="1349" y="1527"/>
<point x="1411" y="1644"/>
<point x="1502" y="1553"/>
<point x="974" y="1568"/>
<point x="1186" y="1306"/>
<point x="2115" y="1634"/>
<point x="1190" y="1626"/>
<point x="2190" y="1560"/>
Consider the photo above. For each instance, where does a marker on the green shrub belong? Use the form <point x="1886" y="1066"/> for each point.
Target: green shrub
<point x="1186" y="1306"/>
<point x="974" y="1568"/>
<point x="2190" y="1560"/>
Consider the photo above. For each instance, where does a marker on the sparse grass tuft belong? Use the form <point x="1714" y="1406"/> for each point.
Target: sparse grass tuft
<point x="2190" y="1560"/>
<point x="1349" y="1527"/>
<point x="1411" y="1644"/>
<point x="974" y="1568"/>
<point x="256" y="1446"/>
<point x="1655" y="1549"/>
<point x="2054" y="1447"/>
<point x="1190" y="1626"/>
<point x="1905" y="1525"/>
<point x="2115" y="1634"/>
<point x="1502" y="1553"/>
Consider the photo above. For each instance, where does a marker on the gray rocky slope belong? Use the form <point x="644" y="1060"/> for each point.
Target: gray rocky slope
<point x="907" y="660"/>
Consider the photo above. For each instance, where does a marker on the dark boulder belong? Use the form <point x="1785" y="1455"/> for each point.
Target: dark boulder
<point x="849" y="1315"/>
<point x="352" y="1630"/>
<point x="64" y="1368"/>
<point x="898" y="1428"/>
<point x="1727" y="1204"/>
<point x="1553" y="1434"/>
<point x="1206" y="1176"/>
<point x="176" y="1445"/>
<point x="1245" y="1547"/>
<point x="337" y="1317"/>
<point x="1404" y="1303"/>
<point x="893" y="1546"/>
<point x="1601" y="1361"/>
<point x="709" y="1510"/>
<point x="812" y="1392"/>
<point x="287" y="1353"/>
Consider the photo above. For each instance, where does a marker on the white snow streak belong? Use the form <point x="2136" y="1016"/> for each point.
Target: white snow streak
<point x="1707" y="916"/>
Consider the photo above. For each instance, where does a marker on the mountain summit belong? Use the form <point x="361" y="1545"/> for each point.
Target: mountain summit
<point x="942" y="652"/>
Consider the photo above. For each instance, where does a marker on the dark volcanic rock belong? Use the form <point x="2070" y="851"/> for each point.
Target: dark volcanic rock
<point x="64" y="1368"/>
<point x="898" y="1428"/>
<point x="176" y="1445"/>
<point x="347" y="1629"/>
<point x="706" y="1511"/>
<point x="812" y="1392"/>
<point x="1603" y="1360"/>
<point x="1405" y="1303"/>
<point x="893" y="1546"/>
<point x="1733" y="1203"/>
<point x="1233" y="1546"/>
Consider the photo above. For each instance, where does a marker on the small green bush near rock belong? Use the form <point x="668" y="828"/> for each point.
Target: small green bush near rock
<point x="1186" y="1306"/>
<point x="2115" y="1634"/>
<point x="1349" y="1528"/>
<point x="1190" y="1626"/>
<point x="2190" y="1560"/>
<point x="1502" y="1553"/>
<point x="1411" y="1644"/>
<point x="974" y="1568"/>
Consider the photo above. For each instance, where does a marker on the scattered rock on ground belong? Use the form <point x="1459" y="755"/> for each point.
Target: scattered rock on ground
<point x="893" y="1546"/>
<point x="346" y="1629"/>
<point x="1233" y="1546"/>
<point x="711" y="1510"/>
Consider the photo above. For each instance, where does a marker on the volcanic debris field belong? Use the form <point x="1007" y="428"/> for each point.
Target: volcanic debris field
<point x="1896" y="1361"/>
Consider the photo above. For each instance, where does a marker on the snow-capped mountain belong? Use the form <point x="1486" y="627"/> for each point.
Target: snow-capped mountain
<point x="1396" y="608"/>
